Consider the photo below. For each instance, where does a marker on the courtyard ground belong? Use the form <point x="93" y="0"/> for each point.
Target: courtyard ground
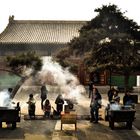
<point x="50" y="129"/>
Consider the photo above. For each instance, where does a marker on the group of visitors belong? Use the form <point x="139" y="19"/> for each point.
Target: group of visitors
<point x="45" y="103"/>
<point x="113" y="98"/>
<point x="95" y="104"/>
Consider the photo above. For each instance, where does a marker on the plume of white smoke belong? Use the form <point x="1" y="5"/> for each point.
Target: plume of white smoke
<point x="5" y="100"/>
<point x="53" y="73"/>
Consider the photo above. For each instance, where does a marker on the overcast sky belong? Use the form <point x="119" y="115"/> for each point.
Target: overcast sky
<point x="61" y="9"/>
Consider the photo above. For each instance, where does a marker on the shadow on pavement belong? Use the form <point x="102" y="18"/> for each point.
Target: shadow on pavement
<point x="7" y="133"/>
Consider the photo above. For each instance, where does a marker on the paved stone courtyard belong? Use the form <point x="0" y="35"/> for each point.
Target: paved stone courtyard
<point x="50" y="129"/>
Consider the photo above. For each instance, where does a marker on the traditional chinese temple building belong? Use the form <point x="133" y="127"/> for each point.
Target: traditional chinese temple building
<point x="45" y="37"/>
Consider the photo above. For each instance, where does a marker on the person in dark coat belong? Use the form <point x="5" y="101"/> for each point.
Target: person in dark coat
<point x="90" y="88"/>
<point x="111" y="94"/>
<point x="59" y="103"/>
<point x="127" y="99"/>
<point x="10" y="92"/>
<point x="95" y="105"/>
<point x="44" y="93"/>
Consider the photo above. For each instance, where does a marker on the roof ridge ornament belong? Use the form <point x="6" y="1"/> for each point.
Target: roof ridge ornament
<point x="11" y="18"/>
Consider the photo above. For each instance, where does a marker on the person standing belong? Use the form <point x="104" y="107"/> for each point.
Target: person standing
<point x="10" y="92"/>
<point x="111" y="94"/>
<point x="95" y="105"/>
<point x="31" y="106"/>
<point x="116" y="96"/>
<point x="47" y="108"/>
<point x="59" y="103"/>
<point x="127" y="99"/>
<point x="90" y="88"/>
<point x="44" y="93"/>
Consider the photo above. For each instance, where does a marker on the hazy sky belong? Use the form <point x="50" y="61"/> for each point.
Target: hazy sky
<point x="61" y="9"/>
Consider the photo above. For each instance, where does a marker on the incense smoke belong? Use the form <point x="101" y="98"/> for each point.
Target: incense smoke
<point x="5" y="100"/>
<point x="52" y="73"/>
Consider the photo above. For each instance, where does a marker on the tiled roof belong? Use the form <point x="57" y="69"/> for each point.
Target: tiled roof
<point x="36" y="31"/>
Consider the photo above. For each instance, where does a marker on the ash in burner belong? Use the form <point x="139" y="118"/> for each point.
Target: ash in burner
<point x="5" y="100"/>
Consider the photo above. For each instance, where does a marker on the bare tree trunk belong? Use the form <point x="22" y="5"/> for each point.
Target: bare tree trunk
<point x="20" y="83"/>
<point x="16" y="88"/>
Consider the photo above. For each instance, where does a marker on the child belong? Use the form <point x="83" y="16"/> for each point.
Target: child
<point x="47" y="108"/>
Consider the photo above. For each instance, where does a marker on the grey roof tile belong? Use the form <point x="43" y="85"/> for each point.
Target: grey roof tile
<point x="37" y="31"/>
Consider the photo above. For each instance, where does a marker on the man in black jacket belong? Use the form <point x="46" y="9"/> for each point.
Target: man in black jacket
<point x="44" y="93"/>
<point x="95" y="105"/>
